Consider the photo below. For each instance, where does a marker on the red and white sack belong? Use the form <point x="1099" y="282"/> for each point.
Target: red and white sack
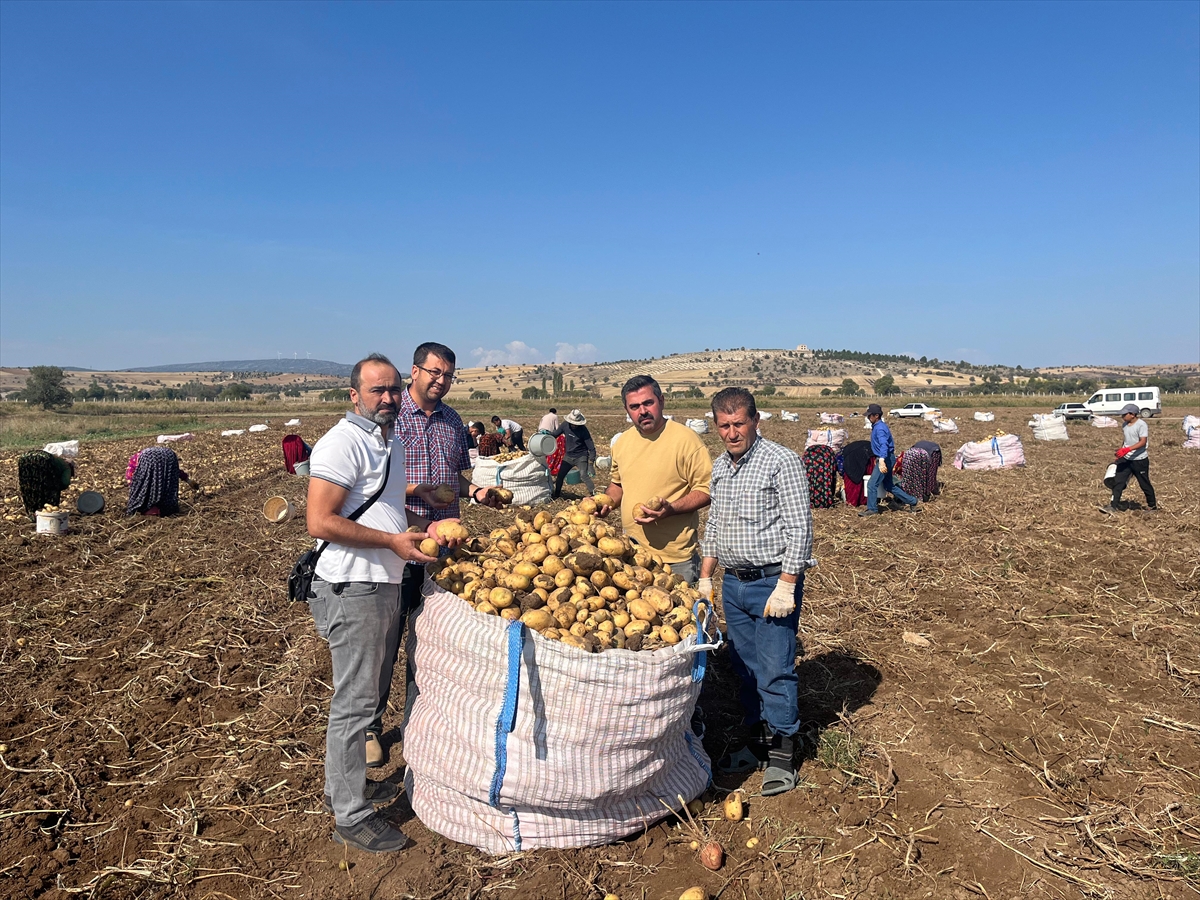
<point x="1004" y="451"/>
<point x="834" y="438"/>
<point x="832" y="419"/>
<point x="516" y="742"/>
<point x="1104" y="422"/>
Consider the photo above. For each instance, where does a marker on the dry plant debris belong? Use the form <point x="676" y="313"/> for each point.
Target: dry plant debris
<point x="164" y="705"/>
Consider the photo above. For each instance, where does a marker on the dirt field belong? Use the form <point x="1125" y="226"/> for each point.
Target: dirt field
<point x="164" y="705"/>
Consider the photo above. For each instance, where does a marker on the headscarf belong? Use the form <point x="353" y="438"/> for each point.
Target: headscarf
<point x="41" y="477"/>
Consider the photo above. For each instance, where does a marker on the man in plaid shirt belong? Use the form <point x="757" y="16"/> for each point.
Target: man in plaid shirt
<point x="436" y="451"/>
<point x="760" y="530"/>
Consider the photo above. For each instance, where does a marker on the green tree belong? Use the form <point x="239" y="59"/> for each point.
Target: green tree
<point x="533" y="393"/>
<point x="335" y="394"/>
<point x="766" y="390"/>
<point x="235" y="391"/>
<point x="850" y="388"/>
<point x="558" y="382"/>
<point x="481" y="395"/>
<point x="44" y="387"/>
<point x="885" y="386"/>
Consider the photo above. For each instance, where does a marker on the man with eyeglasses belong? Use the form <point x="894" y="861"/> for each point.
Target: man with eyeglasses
<point x="436" y="452"/>
<point x="355" y="596"/>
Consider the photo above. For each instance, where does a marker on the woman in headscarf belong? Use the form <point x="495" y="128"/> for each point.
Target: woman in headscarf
<point x="488" y="444"/>
<point x="294" y="451"/>
<point x="857" y="463"/>
<point x="579" y="451"/>
<point x="154" y="490"/>
<point x="820" y="467"/>
<point x="917" y="470"/>
<point x="42" y="477"/>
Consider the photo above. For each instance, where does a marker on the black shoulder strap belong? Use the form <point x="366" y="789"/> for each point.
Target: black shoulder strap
<point x="387" y="471"/>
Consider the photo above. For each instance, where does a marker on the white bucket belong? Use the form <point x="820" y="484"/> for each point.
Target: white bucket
<point x="542" y="445"/>
<point x="277" y="509"/>
<point x="301" y="468"/>
<point x="1109" y="474"/>
<point x="52" y="522"/>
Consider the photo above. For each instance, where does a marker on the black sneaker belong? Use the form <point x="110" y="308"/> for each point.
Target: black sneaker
<point x="869" y="512"/>
<point x="373" y="834"/>
<point x="379" y="793"/>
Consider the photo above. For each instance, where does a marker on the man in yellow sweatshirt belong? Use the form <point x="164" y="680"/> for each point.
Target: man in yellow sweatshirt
<point x="660" y="478"/>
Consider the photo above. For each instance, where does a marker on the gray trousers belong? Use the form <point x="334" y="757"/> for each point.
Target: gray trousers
<point x="360" y="621"/>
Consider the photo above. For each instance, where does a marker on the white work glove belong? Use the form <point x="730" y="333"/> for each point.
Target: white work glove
<point x="704" y="586"/>
<point x="782" y="600"/>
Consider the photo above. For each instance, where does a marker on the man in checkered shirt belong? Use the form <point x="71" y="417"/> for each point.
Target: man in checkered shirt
<point x="436" y="452"/>
<point x="760" y="530"/>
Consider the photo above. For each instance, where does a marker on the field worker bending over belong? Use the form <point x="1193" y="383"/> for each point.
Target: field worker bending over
<point x="660" y="475"/>
<point x="355" y="598"/>
<point x="760" y="530"/>
<point x="510" y="431"/>
<point x="1132" y="459"/>
<point x="883" y="448"/>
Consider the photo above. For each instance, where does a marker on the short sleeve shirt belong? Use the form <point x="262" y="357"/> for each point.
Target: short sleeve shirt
<point x="670" y="464"/>
<point x="1133" y="434"/>
<point x="353" y="455"/>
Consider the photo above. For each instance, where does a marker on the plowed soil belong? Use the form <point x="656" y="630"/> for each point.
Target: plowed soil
<point x="1036" y="734"/>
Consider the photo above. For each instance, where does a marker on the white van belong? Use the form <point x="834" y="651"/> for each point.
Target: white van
<point x="1109" y="401"/>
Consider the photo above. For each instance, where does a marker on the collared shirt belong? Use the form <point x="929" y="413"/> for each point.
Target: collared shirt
<point x="353" y="455"/>
<point x="882" y="443"/>
<point x="508" y="426"/>
<point x="760" y="513"/>
<point x="436" y="450"/>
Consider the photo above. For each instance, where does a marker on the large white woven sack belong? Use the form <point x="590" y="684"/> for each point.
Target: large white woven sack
<point x="526" y="476"/>
<point x="834" y="438"/>
<point x="700" y="426"/>
<point x="1004" y="451"/>
<point x="945" y="426"/>
<point x="1191" y="427"/>
<point x="789" y="416"/>
<point x="1104" y="422"/>
<point x="516" y="742"/>
<point x="1049" y="428"/>
<point x="832" y="418"/>
<point x="985" y="417"/>
<point x="64" y="449"/>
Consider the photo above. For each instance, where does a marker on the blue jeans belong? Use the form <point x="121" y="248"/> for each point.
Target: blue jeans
<point x="763" y="653"/>
<point x="889" y="486"/>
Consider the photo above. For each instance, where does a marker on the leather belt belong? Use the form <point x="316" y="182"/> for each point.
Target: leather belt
<point x="756" y="574"/>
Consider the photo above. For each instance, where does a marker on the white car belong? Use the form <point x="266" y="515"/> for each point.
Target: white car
<point x="915" y="410"/>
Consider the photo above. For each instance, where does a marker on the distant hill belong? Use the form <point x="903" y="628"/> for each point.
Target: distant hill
<point x="288" y="366"/>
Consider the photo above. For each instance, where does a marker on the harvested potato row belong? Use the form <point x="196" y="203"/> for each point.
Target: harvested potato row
<point x="575" y="579"/>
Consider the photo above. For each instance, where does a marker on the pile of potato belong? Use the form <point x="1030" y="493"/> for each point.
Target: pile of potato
<point x="508" y="456"/>
<point x="572" y="578"/>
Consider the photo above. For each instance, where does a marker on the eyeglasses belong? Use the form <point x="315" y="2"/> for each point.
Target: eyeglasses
<point x="437" y="374"/>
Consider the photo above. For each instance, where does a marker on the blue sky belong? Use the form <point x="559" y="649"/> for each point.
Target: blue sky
<point x="1015" y="183"/>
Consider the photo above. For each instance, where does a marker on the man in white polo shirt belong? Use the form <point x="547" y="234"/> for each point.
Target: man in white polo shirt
<point x="355" y="597"/>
